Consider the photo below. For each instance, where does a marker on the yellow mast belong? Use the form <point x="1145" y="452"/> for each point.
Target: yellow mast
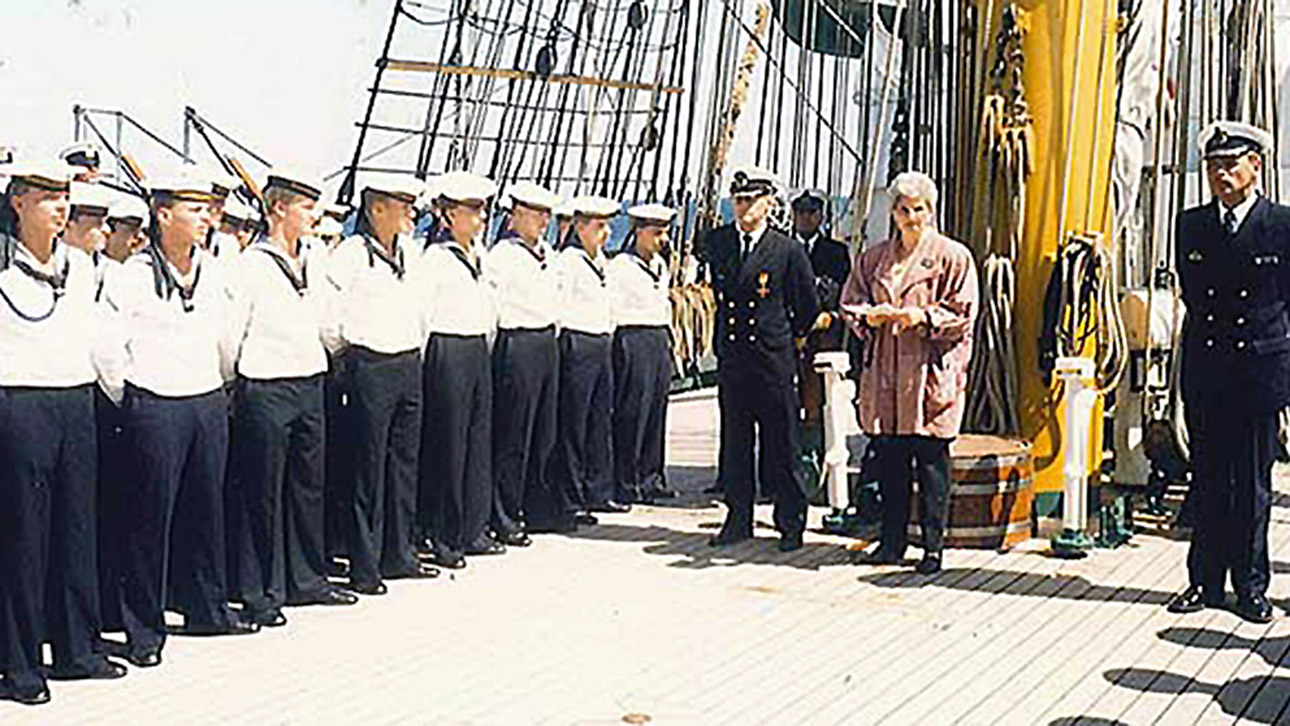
<point x="1070" y="50"/>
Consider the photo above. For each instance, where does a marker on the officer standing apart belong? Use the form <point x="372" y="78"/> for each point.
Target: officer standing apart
<point x="172" y="310"/>
<point x="642" y="354"/>
<point x="1233" y="262"/>
<point x="281" y="320"/>
<point x="765" y="299"/>
<point x="380" y="323"/>
<point x="525" y="365"/>
<point x="49" y="587"/>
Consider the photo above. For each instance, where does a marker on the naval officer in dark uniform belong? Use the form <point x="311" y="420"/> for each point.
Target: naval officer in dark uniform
<point x="765" y="299"/>
<point x="1233" y="262"/>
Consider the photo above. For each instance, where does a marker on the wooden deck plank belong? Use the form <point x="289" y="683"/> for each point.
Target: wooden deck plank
<point x="999" y="676"/>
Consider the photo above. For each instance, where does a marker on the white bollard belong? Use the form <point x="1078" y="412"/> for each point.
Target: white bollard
<point x="834" y="366"/>
<point x="1075" y="375"/>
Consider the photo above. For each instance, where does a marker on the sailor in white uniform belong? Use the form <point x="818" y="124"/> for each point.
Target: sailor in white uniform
<point x="127" y="219"/>
<point x="173" y="314"/>
<point x="520" y="271"/>
<point x="236" y="228"/>
<point x="456" y="484"/>
<point x="638" y="289"/>
<point x="48" y="454"/>
<point x="584" y="462"/>
<point x="281" y="319"/>
<point x="87" y="228"/>
<point x="380" y="323"/>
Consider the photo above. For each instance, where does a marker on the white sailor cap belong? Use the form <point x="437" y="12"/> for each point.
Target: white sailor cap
<point x="328" y="227"/>
<point x="127" y="207"/>
<point x="223" y="184"/>
<point x="186" y="186"/>
<point x="595" y="207"/>
<point x="337" y="211"/>
<point x="91" y="198"/>
<point x="83" y="154"/>
<point x="563" y="209"/>
<point x="239" y="210"/>
<point x="293" y="180"/>
<point x="403" y="187"/>
<point x="810" y="199"/>
<point x="752" y="181"/>
<point x="1233" y="138"/>
<point x="656" y="215"/>
<point x="533" y="195"/>
<point x="463" y="186"/>
<point x="52" y="175"/>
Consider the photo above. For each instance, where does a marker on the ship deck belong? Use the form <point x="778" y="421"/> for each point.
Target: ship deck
<point x="637" y="620"/>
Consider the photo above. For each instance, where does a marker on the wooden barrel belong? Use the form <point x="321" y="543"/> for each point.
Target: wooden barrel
<point x="991" y="496"/>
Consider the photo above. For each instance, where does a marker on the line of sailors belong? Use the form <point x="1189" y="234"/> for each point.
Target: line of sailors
<point x="189" y="394"/>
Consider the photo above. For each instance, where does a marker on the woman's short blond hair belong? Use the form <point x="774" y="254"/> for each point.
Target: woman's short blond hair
<point x="914" y="185"/>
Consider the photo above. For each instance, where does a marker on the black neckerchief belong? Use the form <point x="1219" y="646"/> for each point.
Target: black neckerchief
<point x="649" y="270"/>
<point x="376" y="251"/>
<point x="460" y="254"/>
<point x="600" y="274"/>
<point x="57" y="284"/>
<point x="165" y="284"/>
<point x="299" y="284"/>
<point x="533" y="250"/>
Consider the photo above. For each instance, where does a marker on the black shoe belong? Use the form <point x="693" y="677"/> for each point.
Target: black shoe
<point x="1191" y="600"/>
<point x="101" y="670"/>
<point x="790" y="542"/>
<point x="654" y="493"/>
<point x="422" y="571"/>
<point x="1254" y="608"/>
<point x="516" y="539"/>
<point x="34" y="696"/>
<point x="329" y="597"/>
<point x="235" y="626"/>
<point x="715" y="489"/>
<point x="373" y="589"/>
<point x="485" y="546"/>
<point x="728" y="536"/>
<point x="929" y="565"/>
<point x="609" y="507"/>
<point x="337" y="568"/>
<point x="146" y="658"/>
<point x="585" y="519"/>
<point x="881" y="556"/>
<point x="449" y="560"/>
<point x="265" y="618"/>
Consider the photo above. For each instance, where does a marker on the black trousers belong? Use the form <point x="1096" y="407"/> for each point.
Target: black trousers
<point x="526" y="370"/>
<point x="385" y="425"/>
<point x="172" y="517"/>
<point x="758" y="402"/>
<point x="898" y="462"/>
<point x="338" y="487"/>
<point x="642" y="379"/>
<point x="584" y="461"/>
<point x="456" y="491"/>
<point x="48" y="541"/>
<point x="280" y="454"/>
<point x="1231" y="491"/>
<point x="114" y="479"/>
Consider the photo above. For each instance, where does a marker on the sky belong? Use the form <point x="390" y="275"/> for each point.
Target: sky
<point x="286" y="77"/>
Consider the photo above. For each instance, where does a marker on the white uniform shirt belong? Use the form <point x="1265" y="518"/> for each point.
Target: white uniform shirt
<point x="638" y="290"/>
<point x="283" y="333"/>
<point x="224" y="247"/>
<point x="583" y="292"/>
<point x="454" y="300"/>
<point x="169" y="348"/>
<point x="49" y="340"/>
<point x="523" y="282"/>
<point x="377" y="306"/>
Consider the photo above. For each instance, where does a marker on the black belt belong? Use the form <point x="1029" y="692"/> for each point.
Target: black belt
<point x="525" y="331"/>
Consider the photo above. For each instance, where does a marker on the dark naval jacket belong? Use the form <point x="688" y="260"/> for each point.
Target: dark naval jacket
<point x="1236" y="337"/>
<point x="763" y="302"/>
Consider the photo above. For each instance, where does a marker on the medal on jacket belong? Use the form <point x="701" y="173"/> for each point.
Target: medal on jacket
<point x="762" y="279"/>
<point x="1194" y="256"/>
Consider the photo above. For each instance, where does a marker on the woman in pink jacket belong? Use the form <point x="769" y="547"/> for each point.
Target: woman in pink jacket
<point x="913" y="299"/>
